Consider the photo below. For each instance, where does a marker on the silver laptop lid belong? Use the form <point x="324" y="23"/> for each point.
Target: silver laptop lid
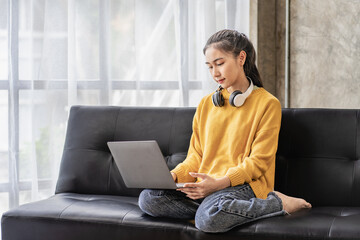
<point x="142" y="165"/>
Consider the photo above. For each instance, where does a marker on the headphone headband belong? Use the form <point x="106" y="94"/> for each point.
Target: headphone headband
<point x="250" y="88"/>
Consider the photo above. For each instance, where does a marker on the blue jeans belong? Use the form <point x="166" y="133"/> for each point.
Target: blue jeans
<point x="218" y="212"/>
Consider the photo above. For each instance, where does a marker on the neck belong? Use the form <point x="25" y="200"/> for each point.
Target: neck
<point x="242" y="85"/>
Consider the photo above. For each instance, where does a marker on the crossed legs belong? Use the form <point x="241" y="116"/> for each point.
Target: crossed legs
<point x="220" y="211"/>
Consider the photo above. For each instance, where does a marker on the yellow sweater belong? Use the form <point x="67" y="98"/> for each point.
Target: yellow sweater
<point x="240" y="143"/>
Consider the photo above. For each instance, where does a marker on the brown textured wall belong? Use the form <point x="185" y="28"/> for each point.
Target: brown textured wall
<point x="266" y="43"/>
<point x="280" y="50"/>
<point x="324" y="51"/>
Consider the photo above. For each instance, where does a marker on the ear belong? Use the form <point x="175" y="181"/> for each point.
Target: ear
<point x="242" y="58"/>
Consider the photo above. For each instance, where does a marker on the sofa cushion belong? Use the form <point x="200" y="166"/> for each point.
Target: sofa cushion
<point x="173" y="160"/>
<point x="87" y="165"/>
<point x="77" y="216"/>
<point x="318" y="157"/>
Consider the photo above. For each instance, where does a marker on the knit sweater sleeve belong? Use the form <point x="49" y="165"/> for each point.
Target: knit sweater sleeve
<point x="263" y="148"/>
<point x="194" y="156"/>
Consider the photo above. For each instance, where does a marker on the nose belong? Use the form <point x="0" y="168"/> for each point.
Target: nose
<point x="215" y="73"/>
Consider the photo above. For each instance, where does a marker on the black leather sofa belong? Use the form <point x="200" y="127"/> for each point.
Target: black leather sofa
<point x="317" y="159"/>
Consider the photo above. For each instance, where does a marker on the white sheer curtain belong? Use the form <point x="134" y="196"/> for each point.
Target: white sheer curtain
<point x="58" y="53"/>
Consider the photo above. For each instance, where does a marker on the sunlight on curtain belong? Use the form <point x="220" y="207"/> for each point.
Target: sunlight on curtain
<point x="4" y="144"/>
<point x="95" y="52"/>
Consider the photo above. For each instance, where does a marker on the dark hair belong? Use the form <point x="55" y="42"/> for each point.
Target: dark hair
<point x="234" y="42"/>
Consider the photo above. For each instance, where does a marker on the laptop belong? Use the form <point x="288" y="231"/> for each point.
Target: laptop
<point x="142" y="165"/>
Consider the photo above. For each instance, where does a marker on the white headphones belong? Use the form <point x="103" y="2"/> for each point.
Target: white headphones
<point x="237" y="98"/>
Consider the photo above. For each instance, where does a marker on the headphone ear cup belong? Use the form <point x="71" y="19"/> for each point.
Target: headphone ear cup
<point x="214" y="99"/>
<point x="218" y="99"/>
<point x="236" y="99"/>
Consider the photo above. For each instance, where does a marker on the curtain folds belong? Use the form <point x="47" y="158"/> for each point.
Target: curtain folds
<point x="96" y="52"/>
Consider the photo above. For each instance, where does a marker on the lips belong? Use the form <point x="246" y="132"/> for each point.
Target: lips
<point x="221" y="81"/>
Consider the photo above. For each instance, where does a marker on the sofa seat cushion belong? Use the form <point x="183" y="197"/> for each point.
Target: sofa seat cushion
<point x="78" y="216"/>
<point x="315" y="223"/>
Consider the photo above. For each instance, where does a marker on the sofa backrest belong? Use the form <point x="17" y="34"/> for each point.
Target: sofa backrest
<point x="317" y="159"/>
<point x="318" y="156"/>
<point x="87" y="165"/>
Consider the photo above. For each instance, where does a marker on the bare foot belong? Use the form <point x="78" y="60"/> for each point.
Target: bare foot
<point x="292" y="204"/>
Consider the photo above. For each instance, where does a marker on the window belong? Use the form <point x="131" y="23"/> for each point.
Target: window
<point x="98" y="52"/>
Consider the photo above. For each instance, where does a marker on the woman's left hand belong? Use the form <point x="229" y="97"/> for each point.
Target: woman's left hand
<point x="204" y="188"/>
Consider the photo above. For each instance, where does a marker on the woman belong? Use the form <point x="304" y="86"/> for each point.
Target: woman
<point x="230" y="167"/>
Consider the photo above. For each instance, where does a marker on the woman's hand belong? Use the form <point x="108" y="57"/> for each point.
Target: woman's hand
<point x="204" y="188"/>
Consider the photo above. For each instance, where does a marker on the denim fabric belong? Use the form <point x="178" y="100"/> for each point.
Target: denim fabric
<point x="218" y="212"/>
<point x="167" y="203"/>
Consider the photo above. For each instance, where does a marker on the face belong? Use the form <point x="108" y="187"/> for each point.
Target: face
<point x="225" y="69"/>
